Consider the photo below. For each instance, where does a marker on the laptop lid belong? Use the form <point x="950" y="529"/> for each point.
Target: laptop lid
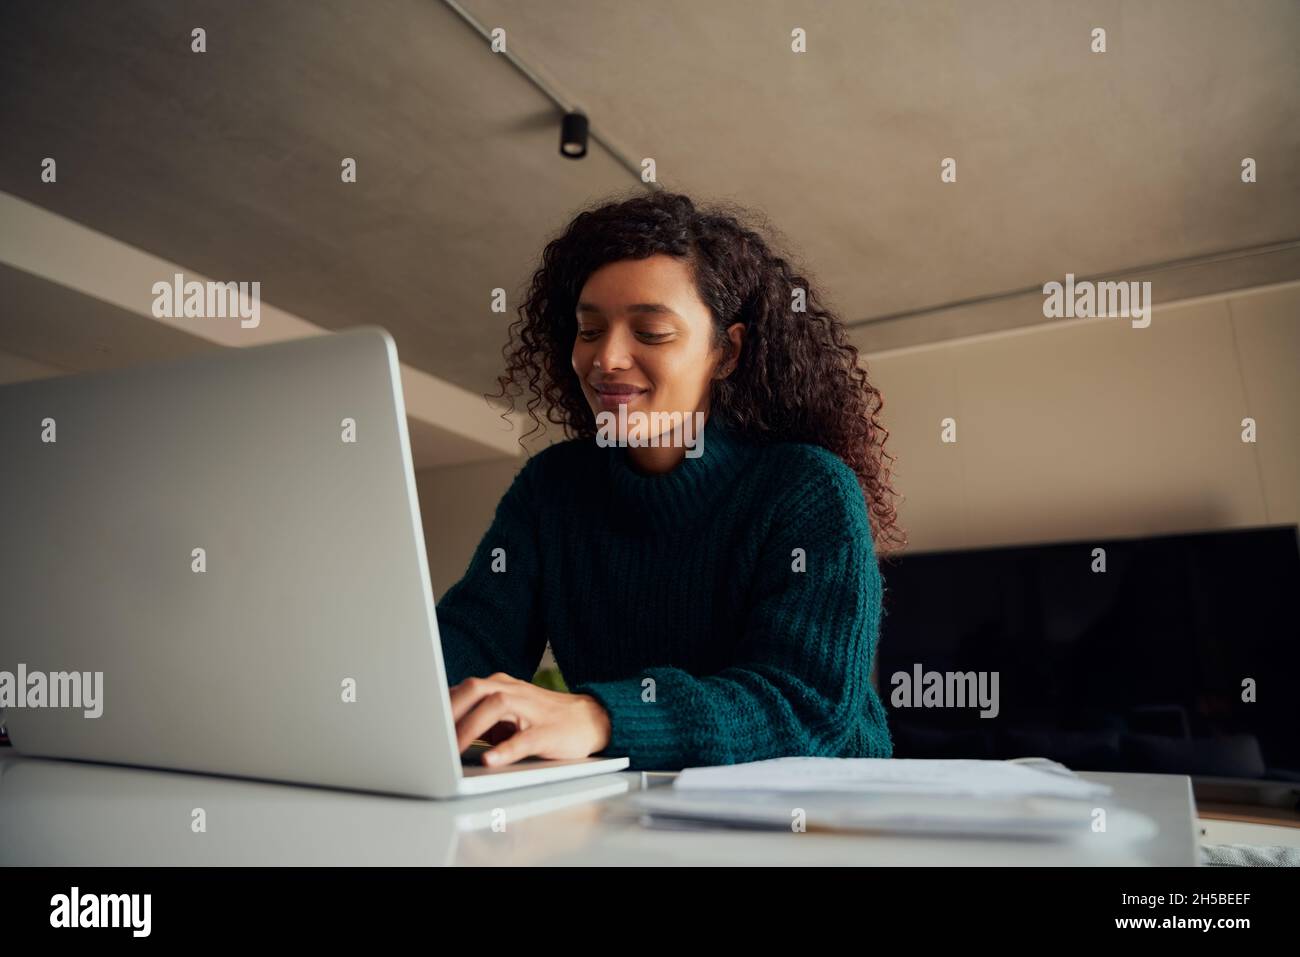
<point x="232" y="542"/>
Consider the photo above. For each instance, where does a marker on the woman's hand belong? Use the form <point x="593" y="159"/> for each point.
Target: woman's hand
<point x="525" y="720"/>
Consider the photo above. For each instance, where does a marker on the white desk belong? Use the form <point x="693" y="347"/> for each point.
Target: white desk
<point x="70" y="813"/>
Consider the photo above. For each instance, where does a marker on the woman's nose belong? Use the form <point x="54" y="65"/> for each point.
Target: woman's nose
<point x="612" y="352"/>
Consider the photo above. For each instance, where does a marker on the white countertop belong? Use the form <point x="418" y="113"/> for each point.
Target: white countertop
<point x="72" y="813"/>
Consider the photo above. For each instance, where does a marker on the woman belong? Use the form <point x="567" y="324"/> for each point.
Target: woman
<point x="709" y="604"/>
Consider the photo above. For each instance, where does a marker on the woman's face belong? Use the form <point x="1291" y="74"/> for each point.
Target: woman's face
<point x="643" y="327"/>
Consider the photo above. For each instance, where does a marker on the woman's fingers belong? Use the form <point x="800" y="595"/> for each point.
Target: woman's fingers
<point x="502" y="730"/>
<point x="521" y="745"/>
<point x="469" y="692"/>
<point x="490" y="710"/>
<point x="520" y="720"/>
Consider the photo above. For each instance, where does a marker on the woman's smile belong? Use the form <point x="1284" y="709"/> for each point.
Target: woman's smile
<point x="613" y="399"/>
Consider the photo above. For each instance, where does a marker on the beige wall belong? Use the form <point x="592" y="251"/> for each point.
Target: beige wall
<point x="456" y="507"/>
<point x="1092" y="428"/>
<point x="1083" y="429"/>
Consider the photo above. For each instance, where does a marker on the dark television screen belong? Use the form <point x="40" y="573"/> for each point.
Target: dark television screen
<point x="1147" y="666"/>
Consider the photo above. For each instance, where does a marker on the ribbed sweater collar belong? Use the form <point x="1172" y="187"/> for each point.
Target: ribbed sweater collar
<point x="692" y="486"/>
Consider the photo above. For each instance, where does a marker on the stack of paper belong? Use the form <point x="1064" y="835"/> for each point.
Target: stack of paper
<point x="895" y="776"/>
<point x="1025" y="798"/>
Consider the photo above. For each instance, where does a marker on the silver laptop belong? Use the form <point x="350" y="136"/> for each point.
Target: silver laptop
<point x="223" y="557"/>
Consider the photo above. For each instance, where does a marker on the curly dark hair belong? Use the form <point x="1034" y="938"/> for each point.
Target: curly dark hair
<point x="798" y="379"/>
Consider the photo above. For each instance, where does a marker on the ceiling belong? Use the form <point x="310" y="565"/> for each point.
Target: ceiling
<point x="1068" y="161"/>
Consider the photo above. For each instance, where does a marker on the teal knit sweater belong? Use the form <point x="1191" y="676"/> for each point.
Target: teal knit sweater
<point x="725" y="611"/>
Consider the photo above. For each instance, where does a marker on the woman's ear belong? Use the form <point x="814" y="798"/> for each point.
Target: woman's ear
<point x="735" y="343"/>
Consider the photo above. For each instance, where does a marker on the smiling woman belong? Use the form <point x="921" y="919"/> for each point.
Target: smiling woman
<point x="704" y="609"/>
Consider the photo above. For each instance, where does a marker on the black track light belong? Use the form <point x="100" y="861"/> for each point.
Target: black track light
<point x="573" y="136"/>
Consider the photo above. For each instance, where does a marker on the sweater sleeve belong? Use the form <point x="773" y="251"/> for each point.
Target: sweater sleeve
<point x="489" y="620"/>
<point x="800" y="681"/>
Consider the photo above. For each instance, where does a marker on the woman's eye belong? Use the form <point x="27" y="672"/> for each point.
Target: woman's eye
<point x="586" y="335"/>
